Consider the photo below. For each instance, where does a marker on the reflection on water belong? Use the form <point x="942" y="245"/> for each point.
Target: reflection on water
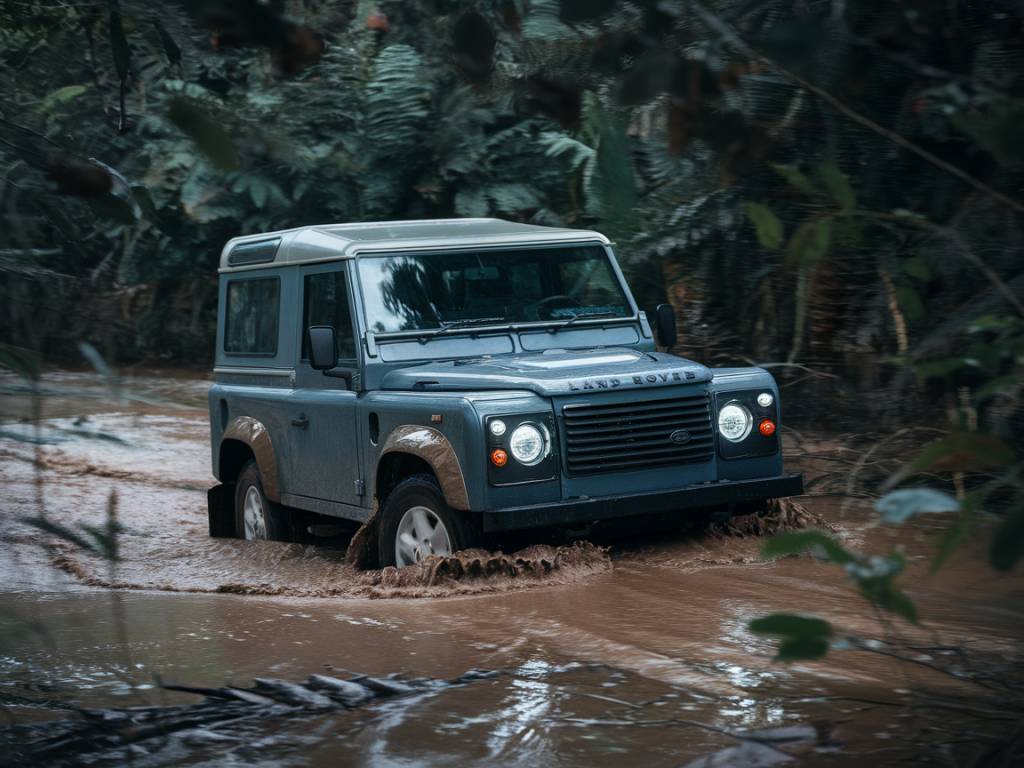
<point x="647" y="656"/>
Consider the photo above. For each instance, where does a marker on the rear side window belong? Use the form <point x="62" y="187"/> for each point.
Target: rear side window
<point x="250" y="326"/>
<point x="325" y="302"/>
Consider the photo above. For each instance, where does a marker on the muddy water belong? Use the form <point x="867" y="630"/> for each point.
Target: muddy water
<point x="640" y="651"/>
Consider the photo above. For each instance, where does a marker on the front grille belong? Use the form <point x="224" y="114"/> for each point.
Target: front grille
<point x="617" y="437"/>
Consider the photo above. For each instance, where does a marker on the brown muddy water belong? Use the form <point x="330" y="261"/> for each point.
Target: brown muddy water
<point x="637" y="652"/>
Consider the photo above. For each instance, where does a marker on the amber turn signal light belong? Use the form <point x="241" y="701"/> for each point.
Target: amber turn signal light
<point x="499" y="458"/>
<point x="766" y="428"/>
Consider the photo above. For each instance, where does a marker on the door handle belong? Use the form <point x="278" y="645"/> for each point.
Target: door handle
<point x="302" y="422"/>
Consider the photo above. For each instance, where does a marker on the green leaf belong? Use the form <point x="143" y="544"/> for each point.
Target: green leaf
<point x="62" y="96"/>
<point x="1009" y="384"/>
<point x="910" y="302"/>
<point x="796" y="179"/>
<point x="954" y="536"/>
<point x="171" y="49"/>
<point x="119" y="44"/>
<point x="112" y="208"/>
<point x="882" y="592"/>
<point x="143" y="199"/>
<point x="962" y="451"/>
<point x="791" y="624"/>
<point x="837" y="185"/>
<point x="1008" y="541"/>
<point x="811" y="241"/>
<point x="613" y="168"/>
<point x="208" y="134"/>
<point x="917" y="267"/>
<point x="21" y="361"/>
<point x="996" y="130"/>
<point x="767" y="224"/>
<point x="802" y="637"/>
<point x="797" y="542"/>
<point x="899" y="506"/>
<point x="258" y="193"/>
<point x="940" y="369"/>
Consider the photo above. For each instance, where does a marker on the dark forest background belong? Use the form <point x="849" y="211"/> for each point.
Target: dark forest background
<point x="830" y="188"/>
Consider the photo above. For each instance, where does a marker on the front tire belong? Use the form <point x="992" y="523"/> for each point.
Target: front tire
<point x="257" y="518"/>
<point x="417" y="522"/>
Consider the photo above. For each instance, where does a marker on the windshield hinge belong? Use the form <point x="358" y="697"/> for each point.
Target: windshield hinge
<point x="371" y="344"/>
<point x="360" y="485"/>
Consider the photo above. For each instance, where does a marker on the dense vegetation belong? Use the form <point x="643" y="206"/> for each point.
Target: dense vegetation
<point x="832" y="188"/>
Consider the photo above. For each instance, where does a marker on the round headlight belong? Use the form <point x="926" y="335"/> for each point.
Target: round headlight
<point x="498" y="427"/>
<point x="734" y="422"/>
<point x="765" y="399"/>
<point x="528" y="444"/>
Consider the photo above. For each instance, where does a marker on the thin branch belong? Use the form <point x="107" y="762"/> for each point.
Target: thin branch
<point x="733" y="37"/>
<point x="937" y="229"/>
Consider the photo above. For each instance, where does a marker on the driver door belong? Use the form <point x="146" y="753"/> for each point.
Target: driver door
<point x="323" y="452"/>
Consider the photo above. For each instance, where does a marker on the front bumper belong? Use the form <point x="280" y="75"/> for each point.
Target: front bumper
<point x="587" y="510"/>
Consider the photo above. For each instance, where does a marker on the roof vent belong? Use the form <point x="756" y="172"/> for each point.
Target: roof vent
<point x="257" y="252"/>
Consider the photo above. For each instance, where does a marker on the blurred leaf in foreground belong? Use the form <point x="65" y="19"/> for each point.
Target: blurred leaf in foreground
<point x="801" y="637"/>
<point x="961" y="451"/>
<point x="209" y="136"/>
<point x="767" y="224"/>
<point x="1008" y="541"/>
<point x="899" y="506"/>
<point x="23" y="362"/>
<point x="873" y="574"/>
<point x="798" y="542"/>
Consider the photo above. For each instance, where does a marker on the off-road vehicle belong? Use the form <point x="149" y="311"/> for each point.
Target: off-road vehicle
<point x="468" y="376"/>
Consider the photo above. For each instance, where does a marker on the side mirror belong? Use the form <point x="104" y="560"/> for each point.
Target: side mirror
<point x="322" y="346"/>
<point x="665" y="322"/>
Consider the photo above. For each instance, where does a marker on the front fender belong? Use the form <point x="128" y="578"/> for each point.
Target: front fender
<point x="435" y="449"/>
<point x="254" y="434"/>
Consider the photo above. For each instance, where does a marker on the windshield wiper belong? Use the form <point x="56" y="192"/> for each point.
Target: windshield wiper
<point x="584" y="316"/>
<point x="466" y="323"/>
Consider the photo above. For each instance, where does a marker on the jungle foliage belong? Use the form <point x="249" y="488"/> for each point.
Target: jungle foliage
<point x="830" y="188"/>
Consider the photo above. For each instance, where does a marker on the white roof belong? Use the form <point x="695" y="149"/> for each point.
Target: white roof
<point x="328" y="242"/>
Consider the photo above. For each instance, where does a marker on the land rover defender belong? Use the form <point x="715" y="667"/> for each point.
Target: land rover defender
<point x="463" y="377"/>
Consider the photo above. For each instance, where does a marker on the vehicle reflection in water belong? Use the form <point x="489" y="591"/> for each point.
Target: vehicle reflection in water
<point x="645" y="653"/>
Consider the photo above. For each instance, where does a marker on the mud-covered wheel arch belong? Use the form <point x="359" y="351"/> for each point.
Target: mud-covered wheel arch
<point x="246" y="439"/>
<point x="234" y="454"/>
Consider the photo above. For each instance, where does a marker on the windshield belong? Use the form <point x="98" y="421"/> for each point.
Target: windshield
<point x="424" y="291"/>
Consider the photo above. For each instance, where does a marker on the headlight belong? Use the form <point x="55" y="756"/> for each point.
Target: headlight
<point x="528" y="444"/>
<point x="734" y="422"/>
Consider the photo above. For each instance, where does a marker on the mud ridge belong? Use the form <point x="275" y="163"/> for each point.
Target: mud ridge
<point x="464" y="573"/>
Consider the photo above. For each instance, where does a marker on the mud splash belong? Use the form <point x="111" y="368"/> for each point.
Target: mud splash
<point x="474" y="571"/>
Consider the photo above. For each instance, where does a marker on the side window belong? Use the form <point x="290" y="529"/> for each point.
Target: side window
<point x="325" y="302"/>
<point x="250" y="323"/>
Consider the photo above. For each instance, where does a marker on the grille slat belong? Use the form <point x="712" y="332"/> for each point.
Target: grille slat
<point x="618" y="437"/>
<point x="643" y="446"/>
<point x="589" y="411"/>
<point x="692" y="423"/>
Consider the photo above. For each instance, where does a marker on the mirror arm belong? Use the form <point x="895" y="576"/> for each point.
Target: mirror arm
<point x="341" y="373"/>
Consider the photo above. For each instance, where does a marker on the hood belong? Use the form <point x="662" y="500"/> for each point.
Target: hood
<point x="553" y="372"/>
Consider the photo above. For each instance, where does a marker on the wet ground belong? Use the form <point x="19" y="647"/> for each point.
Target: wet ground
<point x="642" y="650"/>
